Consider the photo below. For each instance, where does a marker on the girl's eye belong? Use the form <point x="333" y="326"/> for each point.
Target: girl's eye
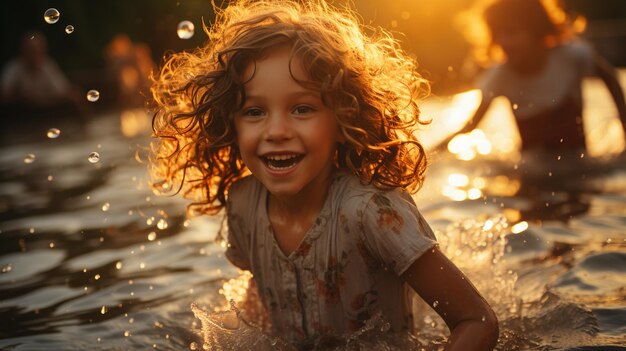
<point x="253" y="112"/>
<point x="300" y="110"/>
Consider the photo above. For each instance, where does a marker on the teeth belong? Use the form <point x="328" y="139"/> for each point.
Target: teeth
<point x="281" y="157"/>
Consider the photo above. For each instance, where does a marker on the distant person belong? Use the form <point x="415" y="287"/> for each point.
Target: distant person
<point x="129" y="65"/>
<point x="33" y="80"/>
<point x="540" y="71"/>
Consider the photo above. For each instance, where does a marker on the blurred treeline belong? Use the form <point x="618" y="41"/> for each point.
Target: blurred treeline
<point x="425" y="27"/>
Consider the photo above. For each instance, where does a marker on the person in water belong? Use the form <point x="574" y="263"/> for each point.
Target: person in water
<point x="538" y="64"/>
<point x="302" y="127"/>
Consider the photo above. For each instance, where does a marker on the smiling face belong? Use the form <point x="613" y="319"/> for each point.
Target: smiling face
<point x="286" y="136"/>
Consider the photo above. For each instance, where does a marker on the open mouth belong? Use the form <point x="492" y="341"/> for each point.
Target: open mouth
<point x="281" y="162"/>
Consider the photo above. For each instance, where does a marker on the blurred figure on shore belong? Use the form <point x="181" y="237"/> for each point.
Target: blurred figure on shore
<point x="33" y="83"/>
<point x="537" y="62"/>
<point x="129" y="65"/>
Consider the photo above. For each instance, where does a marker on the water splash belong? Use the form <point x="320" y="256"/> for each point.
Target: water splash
<point x="527" y="321"/>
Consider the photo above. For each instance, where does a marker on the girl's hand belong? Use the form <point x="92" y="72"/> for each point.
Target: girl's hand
<point x="473" y="324"/>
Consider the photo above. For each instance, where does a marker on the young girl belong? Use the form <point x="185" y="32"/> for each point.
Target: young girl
<point x="539" y="68"/>
<point x="302" y="128"/>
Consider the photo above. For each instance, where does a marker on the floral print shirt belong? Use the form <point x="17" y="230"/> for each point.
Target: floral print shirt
<point x="347" y="268"/>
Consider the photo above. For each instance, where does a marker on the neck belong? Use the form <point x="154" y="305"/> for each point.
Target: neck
<point x="532" y="64"/>
<point x="307" y="203"/>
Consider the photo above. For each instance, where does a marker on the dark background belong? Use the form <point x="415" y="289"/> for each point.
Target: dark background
<point x="427" y="27"/>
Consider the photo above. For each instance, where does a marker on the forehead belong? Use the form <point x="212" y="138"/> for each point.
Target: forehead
<point x="276" y="61"/>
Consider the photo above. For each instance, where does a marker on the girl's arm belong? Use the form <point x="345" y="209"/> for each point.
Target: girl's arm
<point x="473" y="324"/>
<point x="606" y="72"/>
<point x="470" y="125"/>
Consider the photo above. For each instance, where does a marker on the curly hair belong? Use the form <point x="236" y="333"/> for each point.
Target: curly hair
<point x="368" y="81"/>
<point x="545" y="19"/>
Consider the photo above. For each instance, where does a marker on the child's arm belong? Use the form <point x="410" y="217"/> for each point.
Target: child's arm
<point x="471" y="123"/>
<point x="607" y="73"/>
<point x="473" y="324"/>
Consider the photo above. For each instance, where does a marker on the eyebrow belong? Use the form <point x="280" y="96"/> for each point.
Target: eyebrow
<point x="292" y="95"/>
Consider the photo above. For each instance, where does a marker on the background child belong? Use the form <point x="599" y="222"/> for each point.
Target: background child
<point x="539" y="67"/>
<point x="323" y="117"/>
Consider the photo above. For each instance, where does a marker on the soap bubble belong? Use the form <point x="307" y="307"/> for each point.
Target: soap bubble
<point x="53" y="133"/>
<point x="30" y="158"/>
<point x="185" y="29"/>
<point x="69" y="29"/>
<point x="51" y="16"/>
<point x="93" y="95"/>
<point x="94" y="157"/>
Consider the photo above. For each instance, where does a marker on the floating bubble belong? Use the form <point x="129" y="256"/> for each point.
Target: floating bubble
<point x="69" y="29"/>
<point x="30" y="158"/>
<point x="53" y="133"/>
<point x="435" y="304"/>
<point x="151" y="236"/>
<point x="162" y="224"/>
<point x="106" y="206"/>
<point x="94" y="157"/>
<point x="185" y="29"/>
<point x="51" y="16"/>
<point x="103" y="310"/>
<point x="118" y="265"/>
<point x="150" y="220"/>
<point x="93" y="95"/>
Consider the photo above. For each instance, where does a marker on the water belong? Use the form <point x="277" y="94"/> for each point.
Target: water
<point x="92" y="259"/>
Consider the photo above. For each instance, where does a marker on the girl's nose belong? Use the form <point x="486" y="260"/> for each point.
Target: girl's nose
<point x="278" y="128"/>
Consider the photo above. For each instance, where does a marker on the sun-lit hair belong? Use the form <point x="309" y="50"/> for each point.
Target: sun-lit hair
<point x="368" y="81"/>
<point x="545" y="19"/>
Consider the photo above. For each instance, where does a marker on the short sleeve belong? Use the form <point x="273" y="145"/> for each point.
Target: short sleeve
<point x="237" y="249"/>
<point x="489" y="83"/>
<point x="584" y="54"/>
<point x="394" y="230"/>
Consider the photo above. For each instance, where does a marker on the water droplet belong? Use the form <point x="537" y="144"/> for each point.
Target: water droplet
<point x="185" y="29"/>
<point x="51" y="245"/>
<point x="162" y="224"/>
<point x="96" y="277"/>
<point x="186" y="223"/>
<point x="94" y="157"/>
<point x="30" y="158"/>
<point x="53" y="133"/>
<point x="7" y="268"/>
<point x="150" y="220"/>
<point x="118" y="264"/>
<point x="483" y="319"/>
<point x="32" y="230"/>
<point x="103" y="310"/>
<point x="142" y="265"/>
<point x="51" y="16"/>
<point x="582" y="155"/>
<point x="193" y="346"/>
<point x="69" y="29"/>
<point x="435" y="304"/>
<point x="93" y="95"/>
<point x="50" y="177"/>
<point x="126" y="333"/>
<point x="106" y="206"/>
<point x="131" y="321"/>
<point x="151" y="236"/>
<point x="515" y="106"/>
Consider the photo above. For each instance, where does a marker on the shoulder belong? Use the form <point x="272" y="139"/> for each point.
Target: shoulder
<point x="359" y="200"/>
